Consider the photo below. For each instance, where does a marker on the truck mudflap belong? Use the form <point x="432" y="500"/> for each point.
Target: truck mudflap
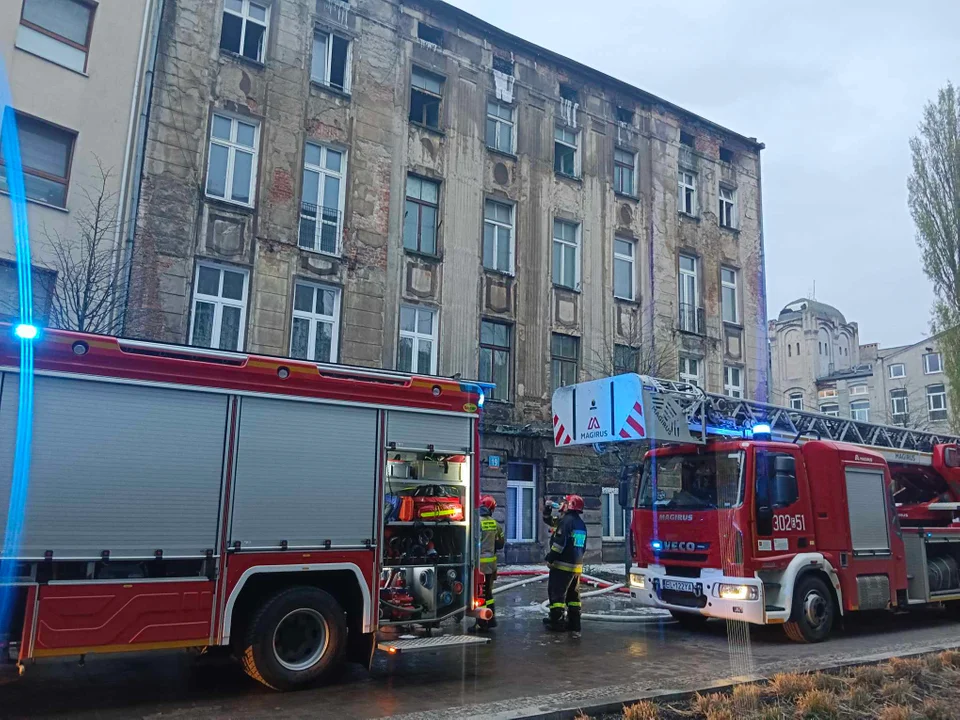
<point x="718" y="596"/>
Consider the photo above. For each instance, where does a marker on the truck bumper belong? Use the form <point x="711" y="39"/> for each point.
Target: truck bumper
<point x="713" y="595"/>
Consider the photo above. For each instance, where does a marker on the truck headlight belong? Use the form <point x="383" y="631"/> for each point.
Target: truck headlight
<point x="638" y="581"/>
<point x="738" y="592"/>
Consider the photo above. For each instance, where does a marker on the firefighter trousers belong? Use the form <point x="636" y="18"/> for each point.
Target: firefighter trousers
<point x="488" y="580"/>
<point x="563" y="590"/>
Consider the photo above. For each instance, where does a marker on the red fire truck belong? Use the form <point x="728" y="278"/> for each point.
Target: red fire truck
<point x="747" y="511"/>
<point x="301" y="514"/>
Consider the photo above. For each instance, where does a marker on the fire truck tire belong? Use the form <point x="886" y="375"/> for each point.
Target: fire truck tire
<point x="296" y="637"/>
<point x="813" y="611"/>
<point x="689" y="621"/>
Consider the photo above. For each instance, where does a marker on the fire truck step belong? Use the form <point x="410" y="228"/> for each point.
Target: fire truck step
<point x="395" y="647"/>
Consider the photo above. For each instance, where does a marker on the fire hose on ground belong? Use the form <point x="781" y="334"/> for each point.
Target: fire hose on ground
<point x="604" y="587"/>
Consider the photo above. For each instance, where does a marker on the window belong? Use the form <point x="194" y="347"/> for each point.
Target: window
<point x="420" y="215"/>
<point x="498" y="236"/>
<point x="726" y="156"/>
<point x="831" y="409"/>
<point x="860" y="410"/>
<point x="566" y="152"/>
<point x="858" y="390"/>
<point x="937" y="402"/>
<point x="687" y="139"/>
<point x="690" y="371"/>
<point x="500" y="127"/>
<point x="46" y="152"/>
<point x="566" y="254"/>
<point x="611" y="516"/>
<point x="244" y="29"/>
<point x="330" y="64"/>
<point x="827" y="393"/>
<point x="624" y="172"/>
<point x="796" y="401"/>
<point x="417" y="351"/>
<point x="321" y="209"/>
<point x="932" y="363"/>
<point x="57" y="30"/>
<point x="233" y="160"/>
<point x="899" y="407"/>
<point x="430" y="34"/>
<point x="426" y="91"/>
<point x="730" y="300"/>
<point x="565" y="357"/>
<point x="495" y="358"/>
<point x="626" y="359"/>
<point x="219" y="308"/>
<point x="898" y="370"/>
<point x="624" y="273"/>
<point x="569" y="93"/>
<point x="316" y="323"/>
<point x="502" y="64"/>
<point x="733" y="381"/>
<point x="789" y="350"/>
<point x="521" y="502"/>
<point x="43" y="282"/>
<point x="624" y="115"/>
<point x="687" y="192"/>
<point x="728" y="207"/>
<point x="689" y="294"/>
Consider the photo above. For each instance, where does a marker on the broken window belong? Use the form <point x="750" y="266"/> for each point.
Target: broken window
<point x="686" y="139"/>
<point x="568" y="93"/>
<point x="624" y="115"/>
<point x="244" y="29"/>
<point x="687" y="192"/>
<point x="426" y="91"/>
<point x="728" y="205"/>
<point x="504" y="65"/>
<point x="624" y="172"/>
<point x="726" y="155"/>
<point x="331" y="61"/>
<point x="430" y="34"/>
<point x="566" y="151"/>
<point x="500" y="127"/>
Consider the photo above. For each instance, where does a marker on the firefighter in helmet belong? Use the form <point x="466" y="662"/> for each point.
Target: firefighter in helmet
<point x="568" y="543"/>
<point x="492" y="539"/>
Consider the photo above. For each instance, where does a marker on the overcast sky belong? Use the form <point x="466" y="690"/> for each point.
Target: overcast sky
<point x="835" y="88"/>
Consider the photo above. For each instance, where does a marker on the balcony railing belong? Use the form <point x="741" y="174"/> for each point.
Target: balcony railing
<point x="691" y="319"/>
<point x="320" y="228"/>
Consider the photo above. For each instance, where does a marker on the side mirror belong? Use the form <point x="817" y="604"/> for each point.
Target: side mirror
<point x="625" y="489"/>
<point x="783" y="491"/>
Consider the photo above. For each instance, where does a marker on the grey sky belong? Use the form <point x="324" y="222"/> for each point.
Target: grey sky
<point x="834" y="88"/>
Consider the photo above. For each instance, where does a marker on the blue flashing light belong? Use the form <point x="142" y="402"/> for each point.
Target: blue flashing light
<point x="481" y="399"/>
<point x="656" y="545"/>
<point x="25" y="331"/>
<point x="762" y="429"/>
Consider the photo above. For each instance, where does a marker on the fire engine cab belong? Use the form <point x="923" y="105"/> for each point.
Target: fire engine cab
<point x="747" y="511"/>
<point x="158" y="496"/>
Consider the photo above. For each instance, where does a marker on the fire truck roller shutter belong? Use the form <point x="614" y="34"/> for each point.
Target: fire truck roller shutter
<point x="418" y="431"/>
<point x="125" y="468"/>
<point x="869" y="516"/>
<point x="306" y="473"/>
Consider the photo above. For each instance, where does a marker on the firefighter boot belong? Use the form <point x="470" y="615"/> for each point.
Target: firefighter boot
<point x="555" y="622"/>
<point x="573" y="618"/>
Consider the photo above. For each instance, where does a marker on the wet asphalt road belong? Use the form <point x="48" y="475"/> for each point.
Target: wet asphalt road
<point x="521" y="671"/>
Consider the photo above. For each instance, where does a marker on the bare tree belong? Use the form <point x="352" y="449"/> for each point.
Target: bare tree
<point x="913" y="401"/>
<point x="88" y="296"/>
<point x="632" y="348"/>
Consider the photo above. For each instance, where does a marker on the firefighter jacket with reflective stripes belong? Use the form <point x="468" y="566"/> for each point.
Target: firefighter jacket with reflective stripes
<point x="568" y="544"/>
<point x="491" y="540"/>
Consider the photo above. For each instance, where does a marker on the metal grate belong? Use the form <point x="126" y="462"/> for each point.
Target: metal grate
<point x="430" y="643"/>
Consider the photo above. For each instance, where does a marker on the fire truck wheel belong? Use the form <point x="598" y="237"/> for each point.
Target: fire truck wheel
<point x="813" y="611"/>
<point x="689" y="621"/>
<point x="296" y="637"/>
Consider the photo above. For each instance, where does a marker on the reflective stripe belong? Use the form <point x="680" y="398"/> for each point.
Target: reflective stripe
<point x="490" y="602"/>
<point x="554" y="606"/>
<point x="576" y="569"/>
<point x="488" y="524"/>
<point x="488" y="559"/>
<point x="438" y="513"/>
<point x="556" y="548"/>
<point x="573" y="604"/>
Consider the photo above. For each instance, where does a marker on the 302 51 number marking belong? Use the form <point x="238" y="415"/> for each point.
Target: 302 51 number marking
<point x="789" y="523"/>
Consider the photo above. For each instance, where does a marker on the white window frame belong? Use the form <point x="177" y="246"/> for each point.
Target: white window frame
<point x="828" y="394"/>
<point x="940" y="398"/>
<point x="621" y="165"/>
<point x="315" y="319"/>
<point x="233" y="147"/>
<point x="727" y="207"/>
<point x="575" y="145"/>
<point x="856" y="390"/>
<point x="689" y="302"/>
<point x="245" y="18"/>
<point x="926" y="363"/>
<point x="630" y="260"/>
<point x="687" y="180"/>
<point x="896" y="400"/>
<point x="328" y="62"/>
<point x="499" y="122"/>
<point x="559" y="244"/>
<point x="319" y="222"/>
<point x="416" y="336"/>
<point x="861" y="413"/>
<point x="497" y="224"/>
<point x="731" y="388"/>
<point x="519" y="509"/>
<point x="686" y="375"/>
<point x="901" y="374"/>
<point x="219" y="302"/>
<point x="834" y="412"/>
<point x="796" y="401"/>
<point x="613" y="507"/>
<point x="733" y="285"/>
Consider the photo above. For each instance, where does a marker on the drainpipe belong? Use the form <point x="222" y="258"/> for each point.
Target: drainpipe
<point x="143" y="121"/>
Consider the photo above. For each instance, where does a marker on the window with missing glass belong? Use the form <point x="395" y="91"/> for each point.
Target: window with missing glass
<point x="244" y="29"/>
<point x="495" y="349"/>
<point x="330" y="64"/>
<point x="426" y="94"/>
<point x="421" y="215"/>
<point x="566" y="151"/>
<point x="565" y="359"/>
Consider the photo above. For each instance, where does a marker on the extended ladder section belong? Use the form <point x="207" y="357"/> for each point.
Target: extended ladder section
<point x="640" y="407"/>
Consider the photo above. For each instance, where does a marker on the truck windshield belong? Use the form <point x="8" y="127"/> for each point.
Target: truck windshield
<point x="704" y="481"/>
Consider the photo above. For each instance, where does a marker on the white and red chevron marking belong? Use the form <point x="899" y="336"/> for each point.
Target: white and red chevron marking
<point x="633" y="427"/>
<point x="560" y="433"/>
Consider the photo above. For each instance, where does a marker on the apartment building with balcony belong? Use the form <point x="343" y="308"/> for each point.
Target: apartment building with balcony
<point x="402" y="185"/>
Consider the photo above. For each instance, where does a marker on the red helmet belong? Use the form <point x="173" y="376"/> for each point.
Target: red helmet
<point x="574" y="503"/>
<point x="488" y="502"/>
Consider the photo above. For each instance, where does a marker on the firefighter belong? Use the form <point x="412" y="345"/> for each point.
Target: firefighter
<point x="492" y="539"/>
<point x="567" y="545"/>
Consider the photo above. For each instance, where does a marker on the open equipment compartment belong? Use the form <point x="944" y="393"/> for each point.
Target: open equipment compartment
<point x="426" y="563"/>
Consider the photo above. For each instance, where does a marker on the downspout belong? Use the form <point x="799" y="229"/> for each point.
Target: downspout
<point x="142" y="123"/>
<point x="765" y="359"/>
